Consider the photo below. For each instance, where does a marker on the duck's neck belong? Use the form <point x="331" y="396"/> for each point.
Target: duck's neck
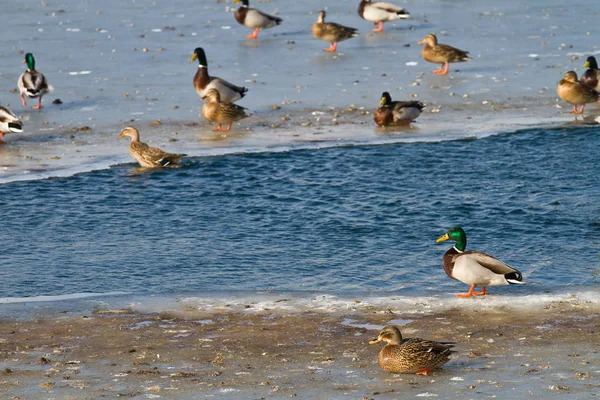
<point x="30" y="62"/>
<point x="244" y="3"/>
<point x="461" y="243"/>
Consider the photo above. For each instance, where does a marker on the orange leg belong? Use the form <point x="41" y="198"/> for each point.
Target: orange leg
<point x="218" y="128"/>
<point x="575" y="111"/>
<point x="253" y="35"/>
<point x="39" y="104"/>
<point x="228" y="127"/>
<point x="23" y="100"/>
<point x="331" y="48"/>
<point x="467" y="294"/>
<point x="443" y="70"/>
<point x="1" y="136"/>
<point x="482" y="293"/>
<point x="380" y="29"/>
<point x="424" y="372"/>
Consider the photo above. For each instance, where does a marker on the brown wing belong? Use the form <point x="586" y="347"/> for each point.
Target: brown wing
<point x="232" y="112"/>
<point x="452" y="54"/>
<point x="340" y="32"/>
<point x="152" y="156"/>
<point x="489" y="262"/>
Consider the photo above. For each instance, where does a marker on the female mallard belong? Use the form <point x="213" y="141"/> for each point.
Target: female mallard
<point x="574" y="92"/>
<point x="412" y="355"/>
<point x="254" y="19"/>
<point x="221" y="112"/>
<point x="149" y="157"/>
<point x="32" y="83"/>
<point x="203" y="82"/>
<point x="441" y="54"/>
<point x="396" y="112"/>
<point x="474" y="267"/>
<point x="331" y="32"/>
<point x="379" y="12"/>
<point x="591" y="77"/>
<point x="9" y="123"/>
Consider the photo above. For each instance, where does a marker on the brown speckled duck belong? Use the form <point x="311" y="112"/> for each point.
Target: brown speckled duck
<point x="437" y="53"/>
<point x="394" y="113"/>
<point x="9" y="123"/>
<point x="149" y="157"/>
<point x="474" y="267"/>
<point x="379" y="12"/>
<point x="411" y="355"/>
<point x="221" y="112"/>
<point x="574" y="92"/>
<point x="331" y="32"/>
<point x="254" y="19"/>
<point x="32" y="83"/>
<point x="203" y="82"/>
<point x="591" y="77"/>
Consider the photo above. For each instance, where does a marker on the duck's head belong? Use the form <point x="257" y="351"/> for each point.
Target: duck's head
<point x="429" y="39"/>
<point x="212" y="95"/>
<point x="385" y="99"/>
<point x="131" y="132"/>
<point x="591" y="63"/>
<point x="570" y="76"/>
<point x="457" y="234"/>
<point x="200" y="56"/>
<point x="321" y="17"/>
<point x="30" y="61"/>
<point x="244" y="2"/>
<point x="390" y="334"/>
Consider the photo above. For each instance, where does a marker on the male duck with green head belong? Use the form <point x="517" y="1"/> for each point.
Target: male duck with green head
<point x="474" y="267"/>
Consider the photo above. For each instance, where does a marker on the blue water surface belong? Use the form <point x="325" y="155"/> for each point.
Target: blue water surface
<point x="338" y="219"/>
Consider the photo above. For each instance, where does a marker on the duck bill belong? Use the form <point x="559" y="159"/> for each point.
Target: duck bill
<point x="586" y="65"/>
<point x="382" y="101"/>
<point x="421" y="42"/>
<point x="122" y="135"/>
<point x="375" y="341"/>
<point x="443" y="238"/>
<point x="194" y="57"/>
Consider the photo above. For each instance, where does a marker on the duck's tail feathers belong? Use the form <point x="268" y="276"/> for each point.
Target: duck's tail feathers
<point x="15" y="127"/>
<point x="514" y="277"/>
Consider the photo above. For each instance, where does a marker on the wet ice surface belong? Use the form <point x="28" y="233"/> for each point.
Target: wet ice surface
<point x="119" y="63"/>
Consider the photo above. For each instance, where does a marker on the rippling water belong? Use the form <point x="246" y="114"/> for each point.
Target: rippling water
<point x="339" y="219"/>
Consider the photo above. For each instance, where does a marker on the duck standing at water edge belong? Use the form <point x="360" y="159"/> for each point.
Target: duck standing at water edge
<point x="443" y="54"/>
<point x="474" y="267"/>
<point x="254" y="19"/>
<point x="396" y="112"/>
<point x="204" y="82"/>
<point x="149" y="157"/>
<point x="221" y="112"/>
<point x="379" y="12"/>
<point x="574" y="92"/>
<point x="411" y="355"/>
<point x="9" y="123"/>
<point x="32" y="83"/>
<point x="331" y="32"/>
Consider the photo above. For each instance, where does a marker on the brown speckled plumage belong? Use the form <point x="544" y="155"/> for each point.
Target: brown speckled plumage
<point x="146" y="156"/>
<point x="411" y="355"/>
<point x="574" y="92"/>
<point x="331" y="32"/>
<point x="221" y="112"/>
<point x="437" y="53"/>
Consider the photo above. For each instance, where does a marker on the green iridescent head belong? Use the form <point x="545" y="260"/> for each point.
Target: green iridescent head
<point x="457" y="234"/>
<point x="30" y="61"/>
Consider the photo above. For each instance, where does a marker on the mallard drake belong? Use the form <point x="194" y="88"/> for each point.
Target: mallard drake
<point x="591" y="77"/>
<point x="221" y="112"/>
<point x="331" y="32"/>
<point x="474" y="267"/>
<point x="254" y="19"/>
<point x="411" y="355"/>
<point x="149" y="157"/>
<point x="396" y="112"/>
<point x="379" y="12"/>
<point x="203" y="82"/>
<point x="32" y="83"/>
<point x="441" y="54"/>
<point x="9" y="123"/>
<point x="574" y="92"/>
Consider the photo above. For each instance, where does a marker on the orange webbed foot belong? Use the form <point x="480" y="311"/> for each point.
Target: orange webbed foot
<point x="253" y="35"/>
<point x="425" y="372"/>
<point x="380" y="29"/>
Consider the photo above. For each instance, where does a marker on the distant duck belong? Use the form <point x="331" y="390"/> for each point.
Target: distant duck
<point x="441" y="54"/>
<point x="32" y="83"/>
<point x="411" y="355"/>
<point x="149" y="157"/>
<point x="574" y="92"/>
<point x="396" y="112"/>
<point x="591" y="77"/>
<point x="221" y="112"/>
<point x="203" y="82"/>
<point x="9" y="123"/>
<point x="474" y="267"/>
<point x="254" y="19"/>
<point x="331" y="32"/>
<point x="379" y="12"/>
